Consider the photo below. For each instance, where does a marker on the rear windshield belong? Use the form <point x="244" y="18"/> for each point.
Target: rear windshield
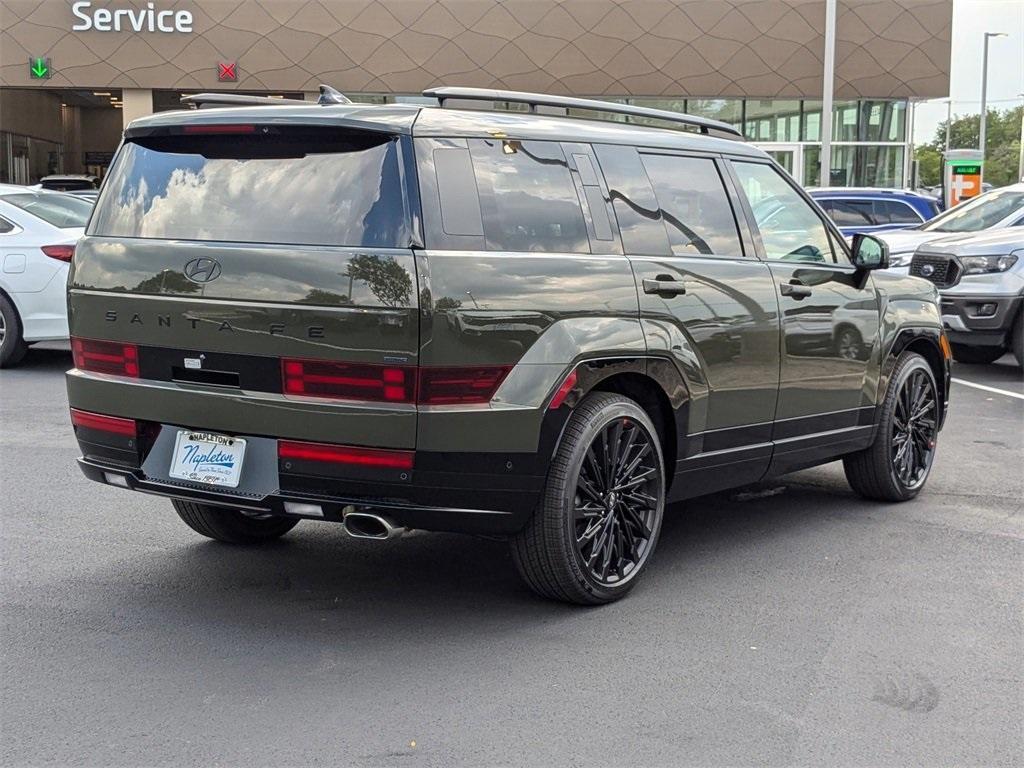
<point x="309" y="187"/>
<point x="62" y="211"/>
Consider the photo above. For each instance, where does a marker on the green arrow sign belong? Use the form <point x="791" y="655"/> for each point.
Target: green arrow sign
<point x="39" y="68"/>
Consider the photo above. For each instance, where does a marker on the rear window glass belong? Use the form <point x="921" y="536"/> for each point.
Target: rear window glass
<point x="306" y="188"/>
<point x="527" y="197"/>
<point x="62" y="211"/>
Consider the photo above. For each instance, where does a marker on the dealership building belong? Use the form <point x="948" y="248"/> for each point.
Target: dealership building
<point x="73" y="74"/>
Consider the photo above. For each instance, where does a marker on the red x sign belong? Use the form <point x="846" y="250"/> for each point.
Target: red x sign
<point x="226" y="71"/>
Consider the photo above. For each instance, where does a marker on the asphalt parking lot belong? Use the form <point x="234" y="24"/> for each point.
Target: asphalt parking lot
<point x="791" y="624"/>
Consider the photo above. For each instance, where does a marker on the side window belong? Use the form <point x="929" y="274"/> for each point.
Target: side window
<point x="636" y="207"/>
<point x="5" y="226"/>
<point x="846" y="214"/>
<point x="693" y="205"/>
<point x="895" y="212"/>
<point x="527" y="197"/>
<point x="789" y="227"/>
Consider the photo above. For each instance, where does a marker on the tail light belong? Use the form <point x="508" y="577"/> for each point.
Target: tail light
<point x="392" y="384"/>
<point x="349" y="381"/>
<point x="112" y="424"/>
<point x="59" y="252"/>
<point x="343" y="454"/>
<point x="442" y="386"/>
<point x="106" y="357"/>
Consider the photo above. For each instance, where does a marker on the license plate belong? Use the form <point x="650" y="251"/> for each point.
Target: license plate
<point x="203" y="457"/>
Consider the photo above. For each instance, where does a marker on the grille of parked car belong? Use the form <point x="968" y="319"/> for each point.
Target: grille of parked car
<point x="941" y="270"/>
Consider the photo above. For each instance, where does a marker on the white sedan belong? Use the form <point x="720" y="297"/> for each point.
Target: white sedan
<point x="38" y="232"/>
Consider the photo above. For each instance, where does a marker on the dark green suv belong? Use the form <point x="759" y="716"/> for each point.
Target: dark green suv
<point x="494" y="322"/>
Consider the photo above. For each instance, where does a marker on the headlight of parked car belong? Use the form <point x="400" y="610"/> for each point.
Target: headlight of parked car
<point x="900" y="259"/>
<point x="983" y="265"/>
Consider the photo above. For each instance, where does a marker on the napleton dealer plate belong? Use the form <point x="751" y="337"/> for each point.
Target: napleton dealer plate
<point x="203" y="457"/>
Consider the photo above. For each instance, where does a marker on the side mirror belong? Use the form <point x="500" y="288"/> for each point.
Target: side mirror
<point x="869" y="252"/>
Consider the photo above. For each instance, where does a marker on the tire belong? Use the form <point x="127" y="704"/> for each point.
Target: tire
<point x="1017" y="339"/>
<point x="976" y="355"/>
<point x="875" y="472"/>
<point x="579" y="527"/>
<point x="12" y="346"/>
<point x="231" y="525"/>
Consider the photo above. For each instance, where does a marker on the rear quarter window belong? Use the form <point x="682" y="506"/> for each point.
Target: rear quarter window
<point x="304" y="187"/>
<point x="527" y="197"/>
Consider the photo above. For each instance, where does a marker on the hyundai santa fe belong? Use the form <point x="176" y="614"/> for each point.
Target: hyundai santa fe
<point x="513" y="324"/>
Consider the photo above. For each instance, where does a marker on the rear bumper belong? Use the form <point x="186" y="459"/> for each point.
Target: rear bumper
<point x="968" y="320"/>
<point x="405" y="514"/>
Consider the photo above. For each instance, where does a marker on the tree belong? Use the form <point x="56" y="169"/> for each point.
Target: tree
<point x="387" y="279"/>
<point x="1002" y="146"/>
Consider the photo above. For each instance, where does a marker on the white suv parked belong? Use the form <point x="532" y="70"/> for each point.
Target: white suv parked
<point x="980" y="278"/>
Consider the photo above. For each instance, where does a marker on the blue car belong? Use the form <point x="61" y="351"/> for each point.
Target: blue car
<point x="868" y="209"/>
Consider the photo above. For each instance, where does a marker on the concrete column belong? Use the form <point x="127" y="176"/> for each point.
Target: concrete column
<point x="138" y="102"/>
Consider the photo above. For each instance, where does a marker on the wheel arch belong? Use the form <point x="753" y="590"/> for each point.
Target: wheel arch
<point x="927" y="342"/>
<point x="654" y="383"/>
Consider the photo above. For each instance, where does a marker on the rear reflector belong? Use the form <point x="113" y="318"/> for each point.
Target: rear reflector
<point x="563" y="391"/>
<point x="105" y="357"/>
<point x="221" y="128"/>
<point x="444" y="386"/>
<point x="343" y="454"/>
<point x="349" y="381"/>
<point x="112" y="424"/>
<point x="59" y="252"/>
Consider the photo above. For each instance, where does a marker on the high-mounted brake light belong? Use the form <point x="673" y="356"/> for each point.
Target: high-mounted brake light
<point x="59" y="252"/>
<point x="344" y="454"/>
<point x="445" y="386"/>
<point x="220" y="128"/>
<point x="105" y="357"/>
<point x="112" y="424"/>
<point x="349" y="381"/>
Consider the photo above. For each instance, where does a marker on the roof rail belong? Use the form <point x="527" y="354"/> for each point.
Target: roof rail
<point x="328" y="95"/>
<point x="534" y="100"/>
<point x="202" y="100"/>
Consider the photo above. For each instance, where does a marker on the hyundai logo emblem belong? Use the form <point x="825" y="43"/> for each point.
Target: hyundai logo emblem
<point x="202" y="270"/>
<point x="927" y="270"/>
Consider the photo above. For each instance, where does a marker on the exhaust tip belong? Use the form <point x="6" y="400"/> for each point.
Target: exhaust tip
<point x="365" y="525"/>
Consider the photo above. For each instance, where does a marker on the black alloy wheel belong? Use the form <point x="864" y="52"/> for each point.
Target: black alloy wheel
<point x="896" y="465"/>
<point x="599" y="517"/>
<point x="616" y="507"/>
<point x="914" y="428"/>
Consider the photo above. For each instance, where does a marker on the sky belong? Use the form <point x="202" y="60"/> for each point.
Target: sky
<point x="971" y="19"/>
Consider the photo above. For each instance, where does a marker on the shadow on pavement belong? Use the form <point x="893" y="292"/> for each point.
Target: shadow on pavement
<point x="318" y="579"/>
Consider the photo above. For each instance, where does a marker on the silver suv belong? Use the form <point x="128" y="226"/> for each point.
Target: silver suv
<point x="980" y="277"/>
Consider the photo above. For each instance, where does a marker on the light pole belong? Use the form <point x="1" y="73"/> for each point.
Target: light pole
<point x="828" y="85"/>
<point x="1020" y="160"/>
<point x="949" y="121"/>
<point x="984" y="93"/>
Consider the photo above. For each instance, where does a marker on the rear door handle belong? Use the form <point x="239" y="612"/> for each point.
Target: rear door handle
<point x="664" y="285"/>
<point x="795" y="290"/>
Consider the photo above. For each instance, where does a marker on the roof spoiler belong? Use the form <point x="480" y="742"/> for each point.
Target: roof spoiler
<point x="328" y="95"/>
<point x="534" y="100"/>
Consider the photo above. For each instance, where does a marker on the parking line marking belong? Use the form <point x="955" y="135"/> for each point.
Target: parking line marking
<point x="989" y="389"/>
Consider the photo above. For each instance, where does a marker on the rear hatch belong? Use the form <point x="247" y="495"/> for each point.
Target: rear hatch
<point x="264" y="270"/>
